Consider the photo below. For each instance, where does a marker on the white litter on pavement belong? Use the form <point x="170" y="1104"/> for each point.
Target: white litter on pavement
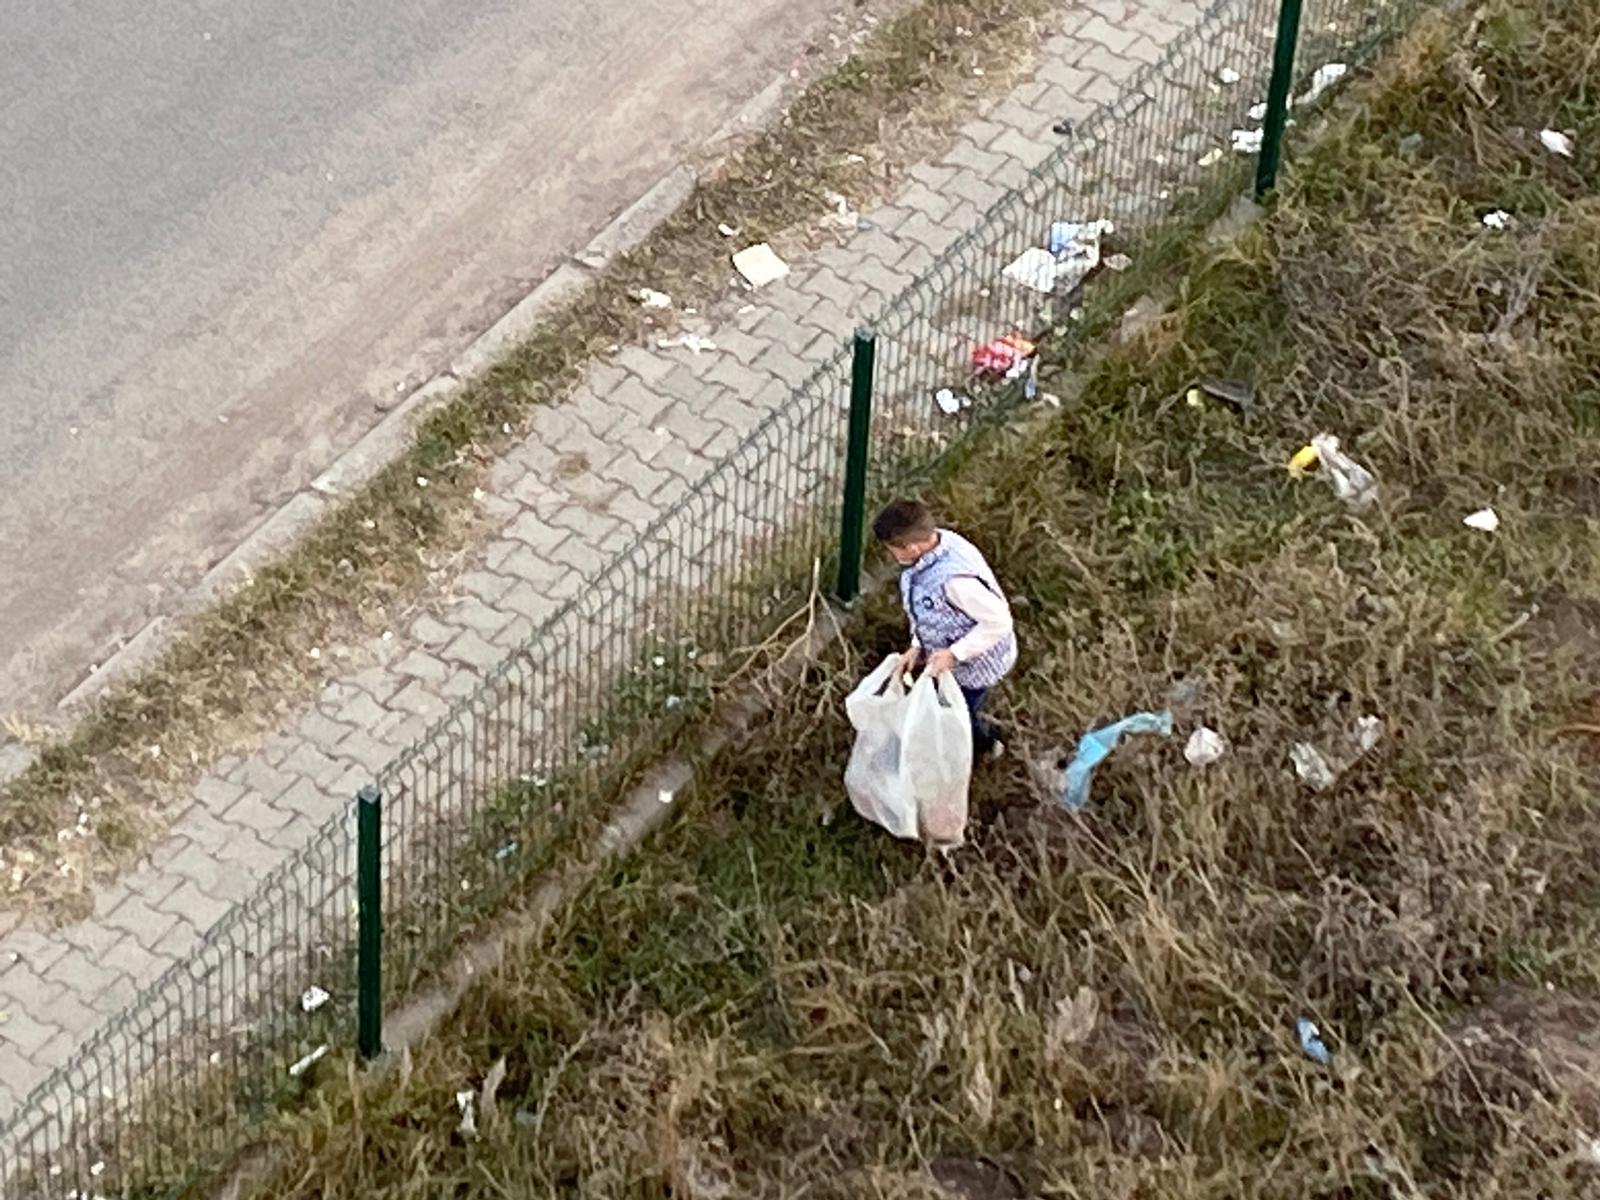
<point x="1556" y="142"/>
<point x="1247" y="141"/>
<point x="760" y="265"/>
<point x="651" y="298"/>
<point x="1211" y="157"/>
<point x="950" y="402"/>
<point x="843" y="216"/>
<point x="1228" y="76"/>
<point x="1258" y="112"/>
<point x="1034" y="268"/>
<point x="1485" y="519"/>
<point x="692" y="342"/>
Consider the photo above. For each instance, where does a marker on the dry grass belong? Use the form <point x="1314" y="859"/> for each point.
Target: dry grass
<point x="767" y="1003"/>
<point x="94" y="798"/>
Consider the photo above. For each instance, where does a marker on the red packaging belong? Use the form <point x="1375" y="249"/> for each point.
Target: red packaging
<point x="1003" y="354"/>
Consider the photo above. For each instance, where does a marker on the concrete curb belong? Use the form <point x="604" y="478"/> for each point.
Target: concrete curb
<point x="379" y="446"/>
<point x="387" y="440"/>
<point x="639" y="219"/>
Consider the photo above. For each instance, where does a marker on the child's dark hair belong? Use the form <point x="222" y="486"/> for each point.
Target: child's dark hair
<point x="903" y="521"/>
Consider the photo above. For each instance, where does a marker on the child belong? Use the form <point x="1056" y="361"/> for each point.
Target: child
<point x="958" y="614"/>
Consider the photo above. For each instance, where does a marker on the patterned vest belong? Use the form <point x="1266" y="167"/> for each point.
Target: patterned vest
<point x="937" y="623"/>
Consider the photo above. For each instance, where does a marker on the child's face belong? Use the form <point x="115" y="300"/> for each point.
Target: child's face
<point x="908" y="550"/>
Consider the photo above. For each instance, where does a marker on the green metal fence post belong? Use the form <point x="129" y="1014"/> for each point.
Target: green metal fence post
<point x="1278" y="98"/>
<point x="369" y="921"/>
<point x="852" y="523"/>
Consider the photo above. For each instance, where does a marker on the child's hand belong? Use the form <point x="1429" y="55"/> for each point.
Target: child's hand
<point x="940" y="662"/>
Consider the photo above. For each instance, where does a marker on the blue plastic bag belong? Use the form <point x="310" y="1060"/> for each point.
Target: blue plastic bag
<point x="1097" y="744"/>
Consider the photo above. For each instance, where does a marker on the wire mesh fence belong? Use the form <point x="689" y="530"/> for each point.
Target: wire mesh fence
<point x="231" y="1036"/>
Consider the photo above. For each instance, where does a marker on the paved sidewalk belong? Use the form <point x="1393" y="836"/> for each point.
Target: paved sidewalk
<point x="592" y="473"/>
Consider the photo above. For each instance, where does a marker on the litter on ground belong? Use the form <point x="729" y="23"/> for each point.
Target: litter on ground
<point x="1310" y="766"/>
<point x="467" y="1103"/>
<point x="1499" y="219"/>
<point x="1076" y="247"/>
<point x="1118" y="262"/>
<point x="727" y="230"/>
<point x="1211" y="157"/>
<point x="1033" y="268"/>
<point x="1311" y="1041"/>
<point x="1247" y="141"/>
<point x="1228" y="76"/>
<point x="301" y="1066"/>
<point x="1556" y="142"/>
<point x="950" y="402"/>
<point x="843" y="216"/>
<point x="1323" y="78"/>
<point x="1258" y="112"/>
<point x="1303" y="460"/>
<point x="1235" y="393"/>
<point x="1205" y="747"/>
<point x="1368" y="732"/>
<point x="760" y="265"/>
<point x="651" y="298"/>
<point x="1096" y="746"/>
<point x="1352" y="482"/>
<point x="1006" y="356"/>
<point x="692" y="342"/>
<point x="1485" y="519"/>
<point x="313" y="998"/>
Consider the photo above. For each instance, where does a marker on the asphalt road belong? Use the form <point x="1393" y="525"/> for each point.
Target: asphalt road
<point x="231" y="230"/>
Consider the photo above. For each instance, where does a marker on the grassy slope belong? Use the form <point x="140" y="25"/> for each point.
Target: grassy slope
<point x="765" y="1004"/>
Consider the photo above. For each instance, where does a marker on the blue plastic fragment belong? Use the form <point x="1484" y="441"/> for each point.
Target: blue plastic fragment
<point x="1311" y="1041"/>
<point x="1097" y="744"/>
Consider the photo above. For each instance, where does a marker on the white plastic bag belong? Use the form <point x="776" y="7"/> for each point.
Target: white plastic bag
<point x="879" y="790"/>
<point x="936" y="742"/>
<point x="1352" y="482"/>
<point x="912" y="760"/>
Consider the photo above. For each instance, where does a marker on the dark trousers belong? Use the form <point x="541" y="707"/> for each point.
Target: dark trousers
<point x="983" y="734"/>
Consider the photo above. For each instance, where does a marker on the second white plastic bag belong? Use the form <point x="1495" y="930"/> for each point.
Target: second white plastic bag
<point x="936" y="742"/>
<point x="877" y="786"/>
<point x="912" y="760"/>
